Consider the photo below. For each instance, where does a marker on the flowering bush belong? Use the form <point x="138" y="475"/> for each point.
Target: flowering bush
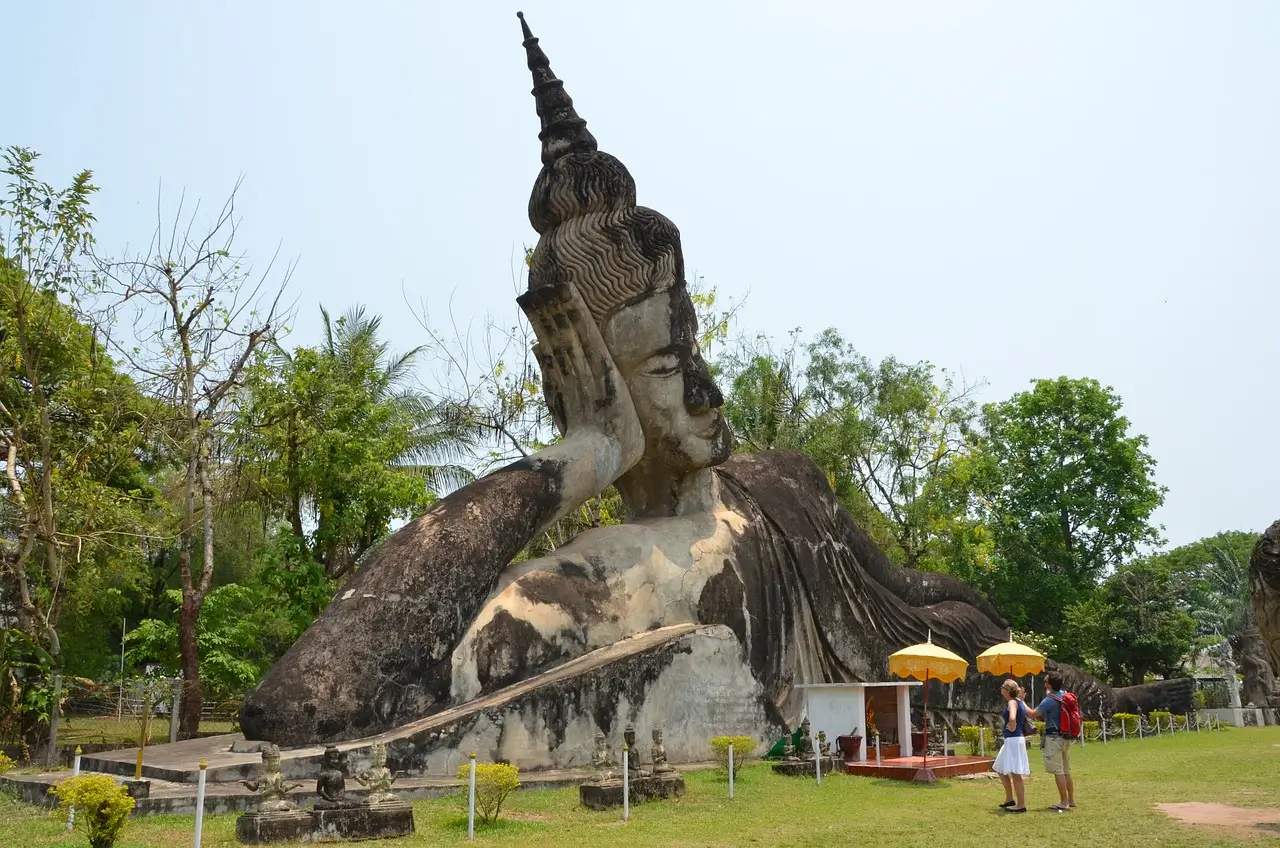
<point x="494" y="782"/>
<point x="742" y="748"/>
<point x="102" y="807"/>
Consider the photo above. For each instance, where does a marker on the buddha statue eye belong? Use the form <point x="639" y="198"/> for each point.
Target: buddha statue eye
<point x="665" y="364"/>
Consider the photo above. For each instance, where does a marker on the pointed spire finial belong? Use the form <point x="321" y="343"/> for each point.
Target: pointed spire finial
<point x="563" y="131"/>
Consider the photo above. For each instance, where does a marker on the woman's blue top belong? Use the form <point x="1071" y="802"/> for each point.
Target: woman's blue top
<point x="1019" y="725"/>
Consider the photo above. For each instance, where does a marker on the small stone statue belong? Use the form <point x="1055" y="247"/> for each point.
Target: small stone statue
<point x="274" y="791"/>
<point x="824" y="748"/>
<point x="788" y="749"/>
<point x="806" y="739"/>
<point x="660" y="764"/>
<point x="331" y="784"/>
<point x="633" y="759"/>
<point x="600" y="761"/>
<point x="378" y="778"/>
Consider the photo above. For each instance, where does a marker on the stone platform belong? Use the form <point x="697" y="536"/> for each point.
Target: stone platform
<point x="603" y="796"/>
<point x="806" y="768"/>
<point x="352" y="824"/>
<point x="920" y="769"/>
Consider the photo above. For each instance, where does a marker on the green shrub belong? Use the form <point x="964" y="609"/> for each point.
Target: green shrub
<point x="1039" y="725"/>
<point x="1091" y="730"/>
<point x="494" y="782"/>
<point x="969" y="736"/>
<point x="6" y="764"/>
<point x="743" y="746"/>
<point x="1127" y="721"/>
<point x="1161" y="719"/>
<point x="102" y="806"/>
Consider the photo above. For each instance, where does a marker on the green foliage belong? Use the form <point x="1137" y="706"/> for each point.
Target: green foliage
<point x="331" y="438"/>
<point x="969" y="736"/>
<point x="1135" y="624"/>
<point x="102" y="807"/>
<point x="893" y="438"/>
<point x="1128" y="721"/>
<point x="1091" y="729"/>
<point x="6" y="763"/>
<point x="1046" y="645"/>
<point x="743" y="747"/>
<point x="494" y="782"/>
<point x="1160" y="718"/>
<point x="235" y="637"/>
<point x="1070" y="496"/>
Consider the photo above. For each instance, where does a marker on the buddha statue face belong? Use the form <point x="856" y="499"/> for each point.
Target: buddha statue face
<point x="654" y="344"/>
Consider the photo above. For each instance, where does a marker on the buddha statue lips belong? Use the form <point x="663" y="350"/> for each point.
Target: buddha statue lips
<point x="757" y="543"/>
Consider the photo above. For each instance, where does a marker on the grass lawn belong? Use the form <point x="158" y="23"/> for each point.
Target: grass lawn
<point x="1117" y="788"/>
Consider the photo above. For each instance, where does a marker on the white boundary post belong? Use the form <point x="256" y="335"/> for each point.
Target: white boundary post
<point x="982" y="740"/>
<point x="944" y="740"/>
<point x="204" y="766"/>
<point x="471" y="800"/>
<point x="1139" y="727"/>
<point x="730" y="771"/>
<point x="175" y="698"/>
<point x="626" y="783"/>
<point x="817" y="761"/>
<point x="75" y="772"/>
<point x="1124" y="730"/>
<point x="1102" y="727"/>
<point x="1158" y="733"/>
<point x="877" y="750"/>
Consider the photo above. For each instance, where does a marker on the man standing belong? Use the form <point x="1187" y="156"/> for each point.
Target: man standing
<point x="1056" y="748"/>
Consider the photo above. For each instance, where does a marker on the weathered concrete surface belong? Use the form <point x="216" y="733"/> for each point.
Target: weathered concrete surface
<point x="603" y="796"/>
<point x="265" y="828"/>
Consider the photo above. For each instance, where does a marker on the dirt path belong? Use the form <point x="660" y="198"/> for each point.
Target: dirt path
<point x="1246" y="819"/>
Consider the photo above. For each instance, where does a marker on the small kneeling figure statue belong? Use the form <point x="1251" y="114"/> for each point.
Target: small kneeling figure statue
<point x="378" y="778"/>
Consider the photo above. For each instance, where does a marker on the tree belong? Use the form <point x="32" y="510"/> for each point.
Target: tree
<point x="335" y="440"/>
<point x="1136" y="624"/>
<point x="198" y="317"/>
<point x="894" y="438"/>
<point x="73" y="434"/>
<point x="1069" y="495"/>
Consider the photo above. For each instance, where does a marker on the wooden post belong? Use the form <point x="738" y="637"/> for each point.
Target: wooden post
<point x="51" y="756"/>
<point x="75" y="772"/>
<point x="626" y="783"/>
<point x="471" y="799"/>
<point x="204" y="766"/>
<point x="175" y="699"/>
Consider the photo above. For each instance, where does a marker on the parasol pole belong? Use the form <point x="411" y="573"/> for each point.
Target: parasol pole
<point x="925" y="752"/>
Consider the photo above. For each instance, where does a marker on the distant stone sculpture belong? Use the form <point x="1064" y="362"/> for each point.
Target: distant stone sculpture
<point x="788" y="749"/>
<point x="331" y="783"/>
<point x="757" y="544"/>
<point x="378" y="778"/>
<point x="806" y="740"/>
<point x="1264" y="576"/>
<point x="273" y="791"/>
<point x="659" y="755"/>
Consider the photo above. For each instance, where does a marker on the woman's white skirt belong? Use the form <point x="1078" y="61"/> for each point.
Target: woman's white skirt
<point x="1012" y="758"/>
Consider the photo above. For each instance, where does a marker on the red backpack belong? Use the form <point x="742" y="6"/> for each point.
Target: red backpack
<point x="1070" y="722"/>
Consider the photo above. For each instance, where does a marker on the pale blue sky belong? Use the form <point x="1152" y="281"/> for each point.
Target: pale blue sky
<point x="1008" y="189"/>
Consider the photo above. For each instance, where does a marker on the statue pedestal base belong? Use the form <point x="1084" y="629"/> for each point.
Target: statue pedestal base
<point x="805" y="768"/>
<point x="262" y="828"/>
<point x="373" y="821"/>
<point x="376" y="821"/>
<point x="603" y="796"/>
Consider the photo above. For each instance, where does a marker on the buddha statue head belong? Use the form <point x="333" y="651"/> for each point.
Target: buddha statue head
<point x="626" y="263"/>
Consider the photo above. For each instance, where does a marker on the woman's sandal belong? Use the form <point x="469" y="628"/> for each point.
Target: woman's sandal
<point x="1060" y="808"/>
<point x="1017" y="809"/>
<point x="1008" y="804"/>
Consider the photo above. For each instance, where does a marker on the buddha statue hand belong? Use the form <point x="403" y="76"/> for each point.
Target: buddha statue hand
<point x="584" y="390"/>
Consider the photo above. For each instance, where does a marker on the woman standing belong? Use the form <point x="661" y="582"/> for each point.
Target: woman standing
<point x="1012" y="763"/>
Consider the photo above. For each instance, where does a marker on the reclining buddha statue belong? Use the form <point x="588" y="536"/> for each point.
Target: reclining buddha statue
<point x="438" y="616"/>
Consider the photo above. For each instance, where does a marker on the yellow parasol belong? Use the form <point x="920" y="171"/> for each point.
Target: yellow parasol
<point x="1018" y="659"/>
<point x="922" y="662"/>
